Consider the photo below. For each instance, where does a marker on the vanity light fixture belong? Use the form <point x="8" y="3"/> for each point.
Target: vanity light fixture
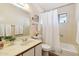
<point x="24" y="6"/>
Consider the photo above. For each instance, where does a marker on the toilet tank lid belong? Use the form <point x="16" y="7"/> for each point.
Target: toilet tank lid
<point x="46" y="46"/>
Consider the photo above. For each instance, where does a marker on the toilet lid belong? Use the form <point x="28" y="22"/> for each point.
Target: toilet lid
<point x="45" y="46"/>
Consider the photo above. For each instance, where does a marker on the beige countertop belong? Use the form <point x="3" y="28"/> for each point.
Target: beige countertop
<point x="19" y="48"/>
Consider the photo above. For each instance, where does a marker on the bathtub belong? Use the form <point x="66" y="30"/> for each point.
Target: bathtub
<point x="68" y="47"/>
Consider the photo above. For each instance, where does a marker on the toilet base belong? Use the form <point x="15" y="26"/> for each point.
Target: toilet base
<point x="45" y="53"/>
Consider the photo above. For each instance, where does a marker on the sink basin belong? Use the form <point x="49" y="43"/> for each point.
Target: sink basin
<point x="26" y="42"/>
<point x="23" y="41"/>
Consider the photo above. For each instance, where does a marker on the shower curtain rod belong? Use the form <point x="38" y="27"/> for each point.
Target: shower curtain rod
<point x="57" y="8"/>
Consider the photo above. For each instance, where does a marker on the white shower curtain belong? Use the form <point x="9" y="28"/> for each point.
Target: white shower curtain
<point x="50" y="29"/>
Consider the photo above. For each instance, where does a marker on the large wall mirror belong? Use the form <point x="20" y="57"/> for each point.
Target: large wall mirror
<point x="20" y="27"/>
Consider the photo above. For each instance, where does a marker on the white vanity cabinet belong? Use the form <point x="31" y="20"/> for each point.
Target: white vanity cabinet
<point x="29" y="52"/>
<point x="35" y="51"/>
<point x="38" y="50"/>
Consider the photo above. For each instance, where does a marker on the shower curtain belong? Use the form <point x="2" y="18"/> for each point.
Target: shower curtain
<point x="50" y="29"/>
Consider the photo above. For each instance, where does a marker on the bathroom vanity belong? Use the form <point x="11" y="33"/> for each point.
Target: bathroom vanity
<point x="31" y="47"/>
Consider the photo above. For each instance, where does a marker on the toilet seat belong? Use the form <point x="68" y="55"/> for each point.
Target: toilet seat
<point x="46" y="47"/>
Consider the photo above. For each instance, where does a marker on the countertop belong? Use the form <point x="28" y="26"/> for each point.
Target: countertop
<point x="18" y="48"/>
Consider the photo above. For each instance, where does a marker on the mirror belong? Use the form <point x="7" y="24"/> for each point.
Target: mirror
<point x="13" y="20"/>
<point x="20" y="28"/>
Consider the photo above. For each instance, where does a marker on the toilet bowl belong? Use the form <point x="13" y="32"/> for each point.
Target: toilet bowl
<point x="46" y="48"/>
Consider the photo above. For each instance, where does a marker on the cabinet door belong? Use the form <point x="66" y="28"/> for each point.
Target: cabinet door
<point x="38" y="50"/>
<point x="29" y="52"/>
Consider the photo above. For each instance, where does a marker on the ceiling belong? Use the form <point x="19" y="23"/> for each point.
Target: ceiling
<point x="35" y="8"/>
<point x="48" y="6"/>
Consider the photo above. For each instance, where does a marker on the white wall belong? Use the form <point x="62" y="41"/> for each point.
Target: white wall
<point x="10" y="14"/>
<point x="68" y="30"/>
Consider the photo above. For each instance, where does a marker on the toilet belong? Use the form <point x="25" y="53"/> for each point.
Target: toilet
<point x="46" y="48"/>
